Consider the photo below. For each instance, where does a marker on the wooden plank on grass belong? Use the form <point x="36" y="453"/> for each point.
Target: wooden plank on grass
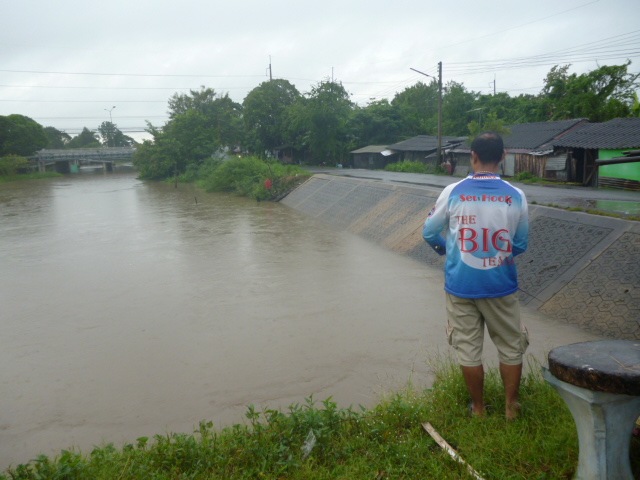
<point x="449" y="449"/>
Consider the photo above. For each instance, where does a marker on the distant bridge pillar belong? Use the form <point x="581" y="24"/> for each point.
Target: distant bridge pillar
<point x="108" y="166"/>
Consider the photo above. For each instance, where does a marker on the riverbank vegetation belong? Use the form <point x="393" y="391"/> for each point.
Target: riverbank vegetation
<point x="14" y="168"/>
<point x="246" y="176"/>
<point x="28" y="176"/>
<point x="320" y="440"/>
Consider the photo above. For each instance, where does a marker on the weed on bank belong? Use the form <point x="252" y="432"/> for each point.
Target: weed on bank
<point x="28" y="176"/>
<point x="319" y="440"/>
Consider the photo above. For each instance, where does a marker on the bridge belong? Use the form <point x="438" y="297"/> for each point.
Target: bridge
<point x="68" y="160"/>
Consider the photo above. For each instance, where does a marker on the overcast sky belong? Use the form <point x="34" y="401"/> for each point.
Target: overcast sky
<point x="67" y="63"/>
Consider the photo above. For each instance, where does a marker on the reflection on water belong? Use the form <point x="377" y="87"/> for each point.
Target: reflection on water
<point x="133" y="308"/>
<point x="628" y="208"/>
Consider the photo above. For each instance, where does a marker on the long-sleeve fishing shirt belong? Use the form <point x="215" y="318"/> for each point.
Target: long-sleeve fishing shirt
<point x="487" y="225"/>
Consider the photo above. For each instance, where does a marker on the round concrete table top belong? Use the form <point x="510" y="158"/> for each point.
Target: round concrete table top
<point x="611" y="366"/>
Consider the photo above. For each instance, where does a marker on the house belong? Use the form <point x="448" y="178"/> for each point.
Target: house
<point x="528" y="150"/>
<point x="371" y="157"/>
<point x="421" y="148"/>
<point x="290" y="154"/>
<point x="592" y="148"/>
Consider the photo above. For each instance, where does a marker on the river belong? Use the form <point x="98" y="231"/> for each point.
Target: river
<point x="132" y="308"/>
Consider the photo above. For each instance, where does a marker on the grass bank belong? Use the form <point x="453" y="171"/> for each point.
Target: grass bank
<point x="320" y="440"/>
<point x="246" y="176"/>
<point x="28" y="176"/>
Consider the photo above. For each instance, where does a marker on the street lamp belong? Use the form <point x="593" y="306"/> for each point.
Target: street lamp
<point x="110" y="120"/>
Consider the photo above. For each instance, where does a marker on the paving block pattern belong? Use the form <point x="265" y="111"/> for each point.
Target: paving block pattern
<point x="605" y="296"/>
<point x="355" y="204"/>
<point x="399" y="213"/>
<point x="299" y="195"/>
<point x="554" y="246"/>
<point x="321" y="196"/>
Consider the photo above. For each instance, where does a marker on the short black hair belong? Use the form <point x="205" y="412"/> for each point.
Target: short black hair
<point x="489" y="147"/>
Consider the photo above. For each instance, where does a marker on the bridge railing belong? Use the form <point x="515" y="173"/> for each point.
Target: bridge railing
<point x="77" y="153"/>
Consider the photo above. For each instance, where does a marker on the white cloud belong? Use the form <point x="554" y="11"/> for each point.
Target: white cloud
<point x="370" y="46"/>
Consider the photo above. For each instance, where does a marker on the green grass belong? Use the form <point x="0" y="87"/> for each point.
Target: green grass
<point x="28" y="176"/>
<point x="383" y="442"/>
<point x="408" y="166"/>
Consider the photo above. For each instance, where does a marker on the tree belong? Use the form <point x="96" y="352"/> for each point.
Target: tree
<point x="57" y="138"/>
<point x="377" y="123"/>
<point x="599" y="95"/>
<point x="85" y="139"/>
<point x="200" y="124"/>
<point x="263" y="111"/>
<point x="491" y="124"/>
<point x="20" y="135"/>
<point x="457" y="108"/>
<point x="418" y="108"/>
<point x="321" y="122"/>
<point x="524" y="108"/>
<point x="12" y="164"/>
<point x="113" y="137"/>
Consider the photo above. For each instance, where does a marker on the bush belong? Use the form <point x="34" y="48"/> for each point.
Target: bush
<point x="406" y="166"/>
<point x="415" y="167"/>
<point x="246" y="176"/>
<point x="195" y="172"/>
<point x="12" y="164"/>
<point x="525" y="177"/>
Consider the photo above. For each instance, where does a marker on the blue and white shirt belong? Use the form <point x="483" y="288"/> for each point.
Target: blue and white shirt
<point x="487" y="226"/>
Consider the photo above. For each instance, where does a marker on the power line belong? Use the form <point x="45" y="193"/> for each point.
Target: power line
<point x="117" y="88"/>
<point x="130" y="74"/>
<point x="519" y="26"/>
<point x="101" y="117"/>
<point x="83" y="101"/>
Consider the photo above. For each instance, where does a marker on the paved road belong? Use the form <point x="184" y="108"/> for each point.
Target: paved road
<point x="615" y="201"/>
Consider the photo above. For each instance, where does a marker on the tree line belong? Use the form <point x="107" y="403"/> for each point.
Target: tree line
<point x="23" y="136"/>
<point x="323" y="125"/>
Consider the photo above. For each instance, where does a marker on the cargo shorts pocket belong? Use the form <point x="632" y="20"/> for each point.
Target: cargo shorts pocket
<point x="450" y="339"/>
<point x="524" y="338"/>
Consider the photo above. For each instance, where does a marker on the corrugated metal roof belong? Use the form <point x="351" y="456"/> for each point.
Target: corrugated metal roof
<point x="423" y="143"/>
<point x="615" y="134"/>
<point x="533" y="135"/>
<point x="370" y="149"/>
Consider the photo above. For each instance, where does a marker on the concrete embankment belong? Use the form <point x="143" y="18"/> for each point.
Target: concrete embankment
<point x="580" y="269"/>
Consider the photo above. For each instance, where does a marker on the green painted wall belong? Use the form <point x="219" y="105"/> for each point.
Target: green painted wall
<point x="627" y="171"/>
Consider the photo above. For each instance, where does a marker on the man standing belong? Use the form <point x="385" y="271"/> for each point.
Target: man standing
<point x="486" y="221"/>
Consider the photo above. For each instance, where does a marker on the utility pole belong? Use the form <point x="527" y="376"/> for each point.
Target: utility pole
<point x="270" y="73"/>
<point x="439" y="106"/>
<point x="440" y="113"/>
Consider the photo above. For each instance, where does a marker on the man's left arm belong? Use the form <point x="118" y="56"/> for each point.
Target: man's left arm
<point x="521" y="237"/>
<point x="436" y="221"/>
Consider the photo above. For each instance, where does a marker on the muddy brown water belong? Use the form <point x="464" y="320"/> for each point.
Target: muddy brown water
<point x="131" y="309"/>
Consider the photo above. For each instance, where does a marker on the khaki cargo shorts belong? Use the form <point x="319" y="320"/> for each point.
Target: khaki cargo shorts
<point x="465" y="328"/>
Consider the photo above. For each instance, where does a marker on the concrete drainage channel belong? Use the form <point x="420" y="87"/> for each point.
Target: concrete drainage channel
<point x="581" y="269"/>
